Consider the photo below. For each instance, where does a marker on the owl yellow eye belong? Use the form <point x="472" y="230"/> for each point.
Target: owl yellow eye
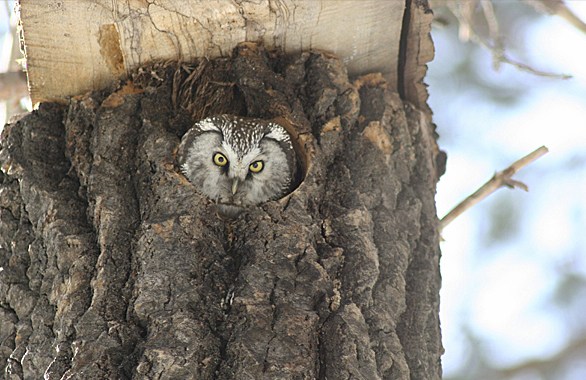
<point x="220" y="159"/>
<point x="256" y="166"/>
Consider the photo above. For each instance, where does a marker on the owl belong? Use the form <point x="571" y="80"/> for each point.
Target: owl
<point x="238" y="162"/>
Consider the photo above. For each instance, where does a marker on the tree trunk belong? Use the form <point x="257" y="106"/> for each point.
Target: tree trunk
<point x="114" y="267"/>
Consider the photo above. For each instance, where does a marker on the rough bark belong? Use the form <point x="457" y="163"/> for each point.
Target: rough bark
<point x="114" y="267"/>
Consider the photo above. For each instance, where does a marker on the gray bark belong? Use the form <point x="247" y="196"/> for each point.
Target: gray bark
<point x="114" y="267"/>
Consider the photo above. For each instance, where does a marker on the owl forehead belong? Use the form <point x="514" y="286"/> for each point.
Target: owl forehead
<point x="243" y="135"/>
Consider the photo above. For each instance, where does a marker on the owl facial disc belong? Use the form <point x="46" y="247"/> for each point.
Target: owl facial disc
<point x="238" y="162"/>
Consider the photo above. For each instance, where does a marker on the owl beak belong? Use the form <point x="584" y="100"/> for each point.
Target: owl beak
<point x="234" y="185"/>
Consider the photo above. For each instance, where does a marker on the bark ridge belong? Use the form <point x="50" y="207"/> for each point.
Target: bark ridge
<point x="113" y="267"/>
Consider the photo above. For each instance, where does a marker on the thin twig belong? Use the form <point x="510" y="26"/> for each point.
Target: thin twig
<point x="464" y="12"/>
<point x="500" y="179"/>
<point x="499" y="55"/>
<point x="560" y="9"/>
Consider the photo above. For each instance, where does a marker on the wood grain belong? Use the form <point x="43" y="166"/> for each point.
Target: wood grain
<point x="74" y="46"/>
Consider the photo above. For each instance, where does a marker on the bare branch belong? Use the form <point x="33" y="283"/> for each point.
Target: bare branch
<point x="498" y="49"/>
<point x="500" y="179"/>
<point x="574" y="349"/>
<point x="524" y="67"/>
<point x="559" y="8"/>
<point x="465" y="11"/>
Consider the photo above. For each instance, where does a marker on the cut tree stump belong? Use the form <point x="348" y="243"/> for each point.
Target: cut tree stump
<point x="75" y="46"/>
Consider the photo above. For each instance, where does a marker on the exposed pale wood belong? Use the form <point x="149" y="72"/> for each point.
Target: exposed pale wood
<point x="73" y="46"/>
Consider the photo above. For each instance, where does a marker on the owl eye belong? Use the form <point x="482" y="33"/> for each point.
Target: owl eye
<point x="220" y="159"/>
<point x="256" y="166"/>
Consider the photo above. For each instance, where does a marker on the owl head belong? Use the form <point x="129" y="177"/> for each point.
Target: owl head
<point x="237" y="161"/>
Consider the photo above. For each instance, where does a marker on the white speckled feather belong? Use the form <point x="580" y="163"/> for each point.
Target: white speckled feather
<point x="242" y="142"/>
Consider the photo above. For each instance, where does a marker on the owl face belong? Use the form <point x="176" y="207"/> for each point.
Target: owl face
<point x="238" y="162"/>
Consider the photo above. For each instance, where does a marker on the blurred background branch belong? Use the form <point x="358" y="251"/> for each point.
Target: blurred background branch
<point x="558" y="8"/>
<point x="13" y="85"/>
<point x="477" y="22"/>
<point x="514" y="266"/>
<point x="575" y="350"/>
